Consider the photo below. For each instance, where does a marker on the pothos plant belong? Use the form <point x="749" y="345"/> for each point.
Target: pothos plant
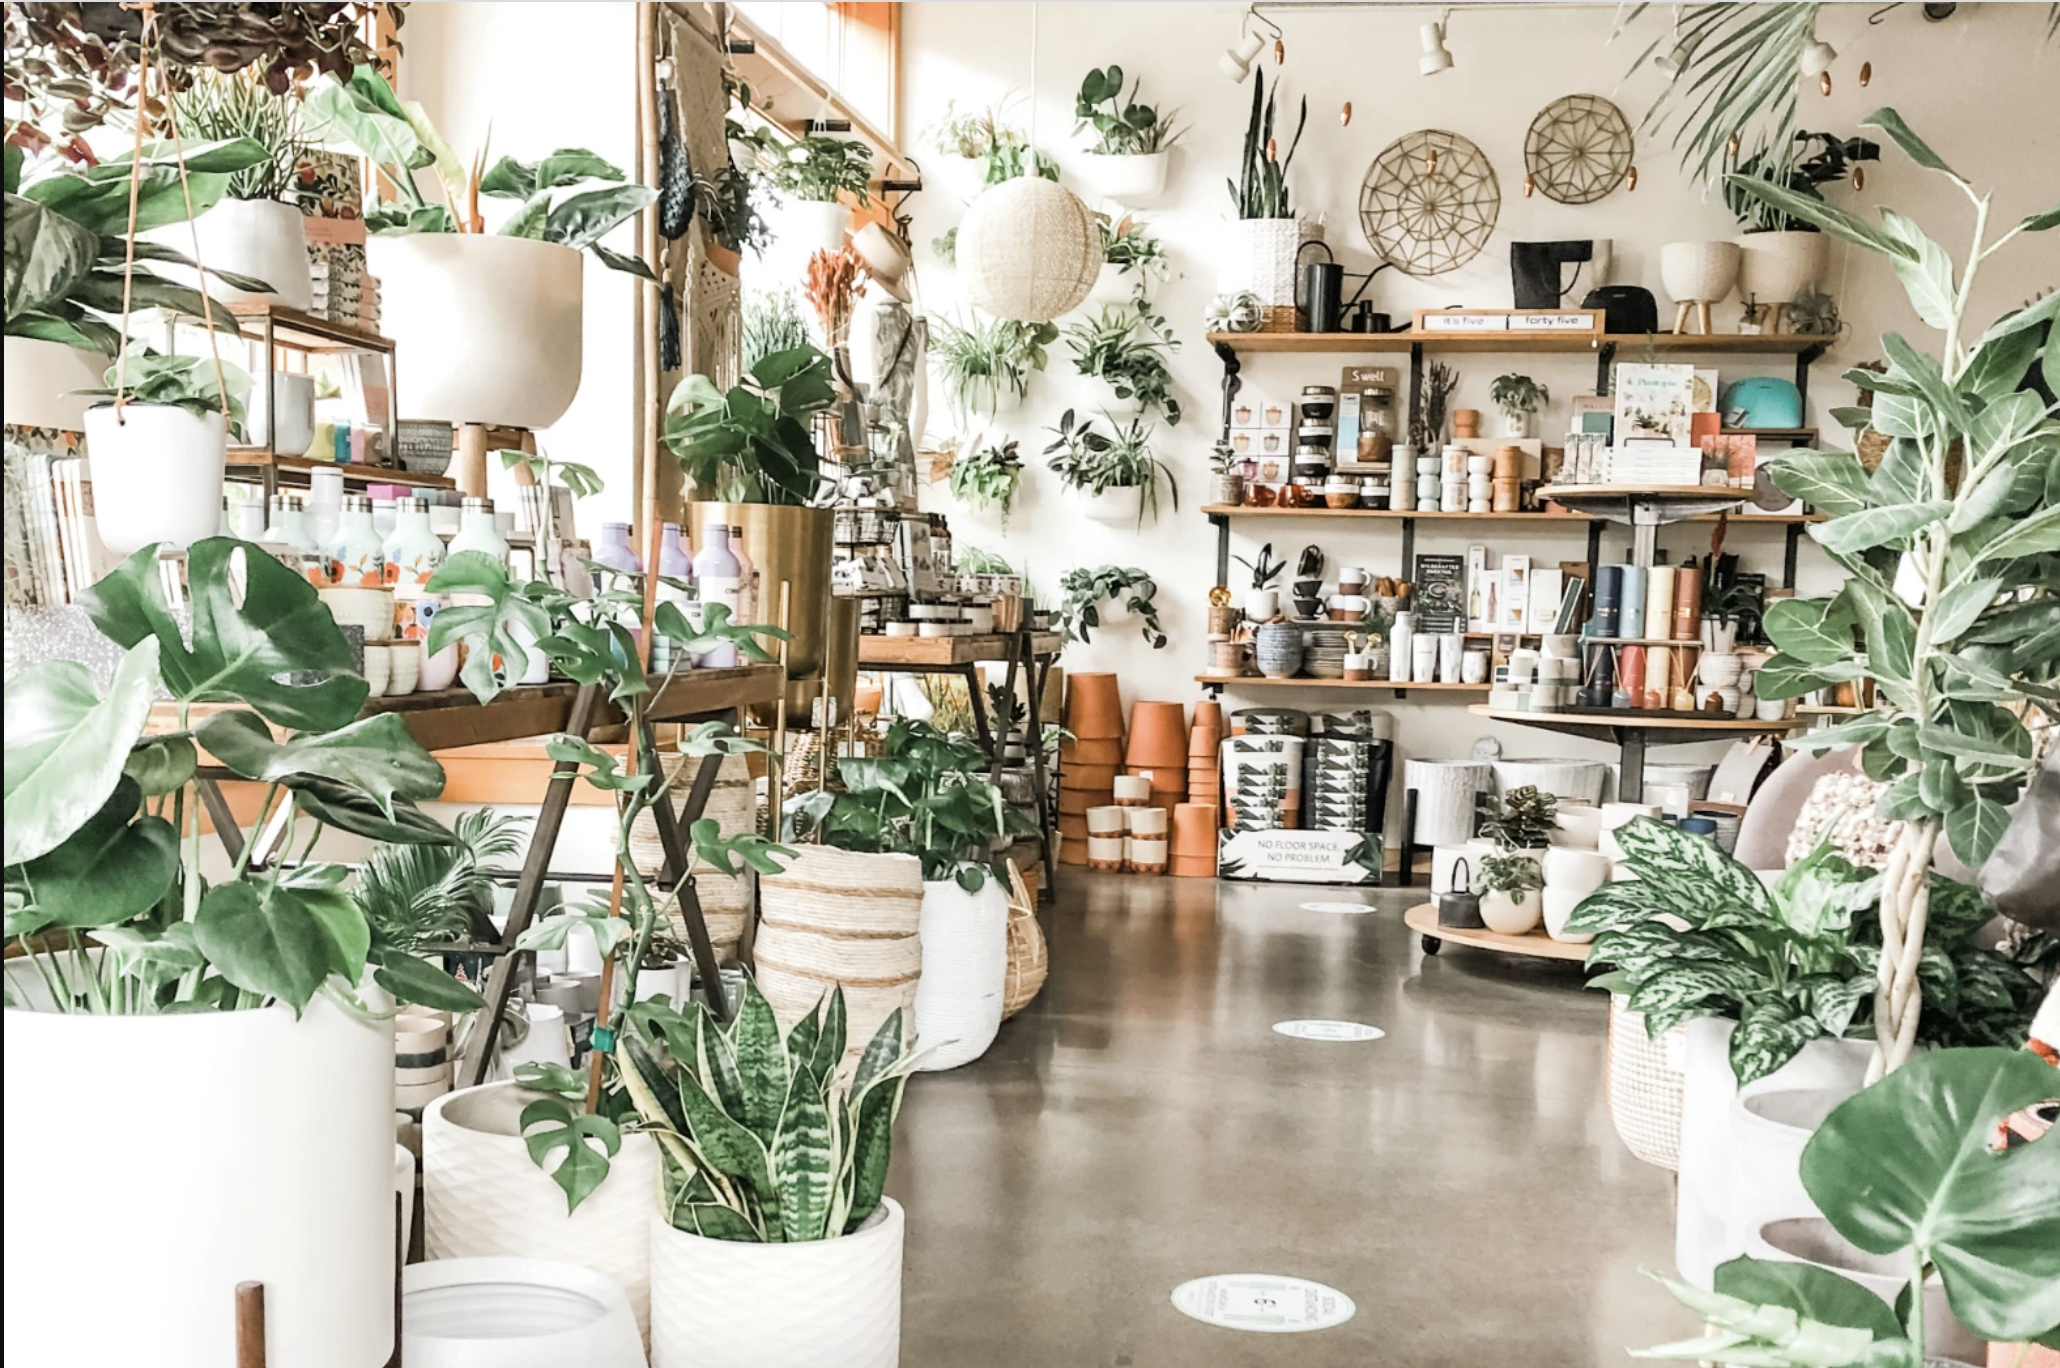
<point x="1951" y="552"/>
<point x="988" y="476"/>
<point x="1126" y="345"/>
<point x="925" y="795"/>
<point x="1133" y="251"/>
<point x="103" y="821"/>
<point x="1088" y="587"/>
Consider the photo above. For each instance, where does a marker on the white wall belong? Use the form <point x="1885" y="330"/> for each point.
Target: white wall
<point x="524" y="80"/>
<point x="1983" y="88"/>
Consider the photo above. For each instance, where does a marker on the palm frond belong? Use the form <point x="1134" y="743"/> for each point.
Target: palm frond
<point x="1738" y="89"/>
<point x="416" y="896"/>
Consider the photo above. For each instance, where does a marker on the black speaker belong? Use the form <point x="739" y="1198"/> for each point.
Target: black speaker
<point x="1625" y="308"/>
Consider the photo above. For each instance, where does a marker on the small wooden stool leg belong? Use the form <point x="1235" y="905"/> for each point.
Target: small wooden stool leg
<point x="1702" y="315"/>
<point x="1681" y="316"/>
<point x="250" y="1325"/>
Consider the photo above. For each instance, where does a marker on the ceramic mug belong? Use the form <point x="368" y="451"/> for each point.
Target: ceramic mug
<point x="1473" y="668"/>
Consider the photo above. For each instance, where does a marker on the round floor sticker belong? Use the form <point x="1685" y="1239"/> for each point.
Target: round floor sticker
<point x="1263" y="1302"/>
<point x="1328" y="1030"/>
<point x="1343" y="909"/>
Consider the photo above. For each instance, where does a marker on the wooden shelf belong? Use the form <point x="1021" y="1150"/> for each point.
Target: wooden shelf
<point x="1253" y="511"/>
<point x="1657" y="728"/>
<point x="1737" y="344"/>
<point x="1816" y="710"/>
<point x="1656" y="493"/>
<point x="357" y="474"/>
<point x="297" y="330"/>
<point x="1782" y="434"/>
<point x="878" y="652"/>
<point x="1423" y="919"/>
<point x="1262" y="682"/>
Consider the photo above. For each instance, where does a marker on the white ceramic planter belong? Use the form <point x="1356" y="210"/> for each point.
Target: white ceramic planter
<point x="1577" y="824"/>
<point x="157" y="475"/>
<point x="1698" y="272"/>
<point x="260" y="238"/>
<point x="514" y="1313"/>
<point x="1111" y="286"/>
<point x="1512" y="914"/>
<point x="1445" y="792"/>
<point x="1724" y="1190"/>
<point x="41" y="380"/>
<point x="965" y="963"/>
<point x="482" y="1195"/>
<point x="1811" y="1239"/>
<point x="1132" y="178"/>
<point x="488" y="328"/>
<point x="1573" y="781"/>
<point x="809" y="226"/>
<point x="1262" y="605"/>
<point x="293" y="430"/>
<point x="1121" y="507"/>
<point x="726" y="1304"/>
<point x="275" y="1139"/>
<point x="1775" y="267"/>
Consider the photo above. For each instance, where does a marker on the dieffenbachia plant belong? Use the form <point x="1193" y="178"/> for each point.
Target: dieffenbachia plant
<point x="1951" y="549"/>
<point x="104" y="823"/>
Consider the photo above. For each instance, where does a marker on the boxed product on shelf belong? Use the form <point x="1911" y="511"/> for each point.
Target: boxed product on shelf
<point x="1654" y="465"/>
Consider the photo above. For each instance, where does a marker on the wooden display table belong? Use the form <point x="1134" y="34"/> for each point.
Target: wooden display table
<point x="1423" y="919"/>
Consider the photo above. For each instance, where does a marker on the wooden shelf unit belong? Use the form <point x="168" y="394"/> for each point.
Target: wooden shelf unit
<point x="297" y="467"/>
<point x="1341" y="343"/>
<point x="943" y="652"/>
<point x="1217" y="683"/>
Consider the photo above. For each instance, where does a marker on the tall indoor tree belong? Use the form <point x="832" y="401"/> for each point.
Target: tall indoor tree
<point x="1952" y="551"/>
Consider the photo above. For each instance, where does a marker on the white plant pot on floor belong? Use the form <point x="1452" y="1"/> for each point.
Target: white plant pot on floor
<point x="1127" y="178"/>
<point x="41" y="380"/>
<point x="157" y="474"/>
<point x="965" y="965"/>
<point x="488" y="328"/>
<point x="514" y="1313"/>
<point x="809" y="226"/>
<point x="272" y="1144"/>
<point x="1812" y="1240"/>
<point x="263" y="239"/>
<point x="482" y="1195"/>
<point x="731" y="1304"/>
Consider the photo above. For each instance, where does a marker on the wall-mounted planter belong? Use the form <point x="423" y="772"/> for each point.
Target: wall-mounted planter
<point x="1127" y="178"/>
<point x="1119" y="507"/>
<point x="810" y="226"/>
<point x="157" y="474"/>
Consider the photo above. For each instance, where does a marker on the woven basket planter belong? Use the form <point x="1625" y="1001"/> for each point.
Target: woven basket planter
<point x="1029" y="957"/>
<point x="1644" y="1088"/>
<point x="836" y="918"/>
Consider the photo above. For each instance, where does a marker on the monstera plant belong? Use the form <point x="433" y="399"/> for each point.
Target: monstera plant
<point x="1951" y="554"/>
<point x="103" y="834"/>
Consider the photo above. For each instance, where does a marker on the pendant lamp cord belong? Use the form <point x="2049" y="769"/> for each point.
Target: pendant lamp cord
<point x="1030" y="162"/>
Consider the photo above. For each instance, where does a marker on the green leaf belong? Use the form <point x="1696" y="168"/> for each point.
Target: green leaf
<point x="1813" y="631"/>
<point x="1958" y="607"/>
<point x="1997" y="368"/>
<point x="346" y="935"/>
<point x="601" y="769"/>
<point x="263" y="940"/>
<point x="47" y="255"/>
<point x="1926" y="272"/>
<point x="241" y="652"/>
<point x="1833" y="482"/>
<point x="1782" y="677"/>
<point x="1858" y="732"/>
<point x="1914" y="147"/>
<point x="1974" y="827"/>
<point x="154" y="957"/>
<point x="570" y="165"/>
<point x="762" y="1065"/>
<point x="114" y="867"/>
<point x="1907" y="1162"/>
<point x="581" y="220"/>
<point x="162" y="766"/>
<point x="1818" y="214"/>
<point x="1882" y="526"/>
<point x="374" y="756"/>
<point x="2035" y="535"/>
<point x="363" y="116"/>
<point x="803" y="1163"/>
<point x="583" y="1167"/>
<point x="66" y="746"/>
<point x="1812" y="1292"/>
<point x="1770" y="1033"/>
<point x="349" y="809"/>
<point x="509" y="179"/>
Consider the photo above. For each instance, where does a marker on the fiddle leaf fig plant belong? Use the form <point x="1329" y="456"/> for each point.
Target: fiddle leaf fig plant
<point x="1951" y="554"/>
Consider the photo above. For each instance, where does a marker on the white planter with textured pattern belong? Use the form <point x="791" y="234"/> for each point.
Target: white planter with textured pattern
<point x="483" y="1197"/>
<point x="729" y="1304"/>
<point x="965" y="967"/>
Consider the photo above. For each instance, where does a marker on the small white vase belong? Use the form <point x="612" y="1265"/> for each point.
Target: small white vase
<point x="1111" y="286"/>
<point x="1127" y="178"/>
<point x="157" y="475"/>
<point x="965" y="967"/>
<point x="1512" y="914"/>
<point x="1262" y="605"/>
<point x="1518" y="425"/>
<point x="42" y="380"/>
<point x="1575" y="871"/>
<point x="292" y="431"/>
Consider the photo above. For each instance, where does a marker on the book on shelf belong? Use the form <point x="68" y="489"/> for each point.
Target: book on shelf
<point x="54" y="552"/>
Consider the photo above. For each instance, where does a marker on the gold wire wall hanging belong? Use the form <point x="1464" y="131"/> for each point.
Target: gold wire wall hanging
<point x="1429" y="202"/>
<point x="1578" y="149"/>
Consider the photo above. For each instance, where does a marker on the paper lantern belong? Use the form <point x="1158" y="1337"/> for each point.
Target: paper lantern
<point x="1028" y="250"/>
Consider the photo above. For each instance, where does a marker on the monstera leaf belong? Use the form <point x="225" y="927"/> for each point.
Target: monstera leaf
<point x="243" y="646"/>
<point x="1909" y="1164"/>
<point x="66" y="745"/>
<point x="374" y="756"/>
<point x="112" y="868"/>
<point x="489" y="629"/>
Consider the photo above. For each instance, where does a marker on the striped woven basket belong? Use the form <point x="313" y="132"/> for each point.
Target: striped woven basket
<point x="1029" y="957"/>
<point x="839" y="919"/>
<point x="733" y="805"/>
<point x="1644" y="1088"/>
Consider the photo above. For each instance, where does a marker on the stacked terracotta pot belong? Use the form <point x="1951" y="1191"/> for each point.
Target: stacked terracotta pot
<point x="1204" y="740"/>
<point x="1194" y="821"/>
<point x="1194" y="841"/>
<point x="1158" y="751"/>
<point x="1088" y="763"/>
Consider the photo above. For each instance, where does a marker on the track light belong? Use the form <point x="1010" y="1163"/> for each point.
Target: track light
<point x="1236" y="62"/>
<point x="1436" y="56"/>
<point x="1817" y="57"/>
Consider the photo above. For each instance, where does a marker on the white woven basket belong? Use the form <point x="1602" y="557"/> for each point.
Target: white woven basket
<point x="1644" y="1087"/>
<point x="965" y="969"/>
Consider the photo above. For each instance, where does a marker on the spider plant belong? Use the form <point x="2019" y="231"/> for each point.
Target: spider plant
<point x="1126" y="345"/>
<point x="988" y="476"/>
<point x="1732" y="80"/>
<point x="986" y="357"/>
<point x="420" y="896"/>
<point x="1094" y="463"/>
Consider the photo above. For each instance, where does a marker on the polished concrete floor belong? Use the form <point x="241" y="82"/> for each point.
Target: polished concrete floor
<point x="1141" y="1124"/>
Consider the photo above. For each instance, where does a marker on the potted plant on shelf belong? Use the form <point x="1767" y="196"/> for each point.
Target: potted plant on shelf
<point x="809" y="176"/>
<point x="256" y="230"/>
<point x="1946" y="551"/>
<point x="1262" y="600"/>
<point x="488" y="325"/>
<point x="1226" y="475"/>
<point x="988" y="361"/>
<point x="1133" y="142"/>
<point x="157" y="442"/>
<point x="1114" y="479"/>
<point x="1087" y="588"/>
<point x="1910" y="1175"/>
<point x="1782" y="254"/>
<point x="1518" y="397"/>
<point x="69" y="255"/>
<point x="926" y="794"/>
<point x="1509" y="885"/>
<point x="988" y="477"/>
<point x="1132" y="259"/>
<point x="1126" y="345"/>
<point x="241" y="1020"/>
<point x="1266" y="236"/>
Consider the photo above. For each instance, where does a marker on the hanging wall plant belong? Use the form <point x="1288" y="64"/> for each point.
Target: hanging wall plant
<point x="1087" y="588"/>
<point x="1116" y="476"/>
<point x="988" y="360"/>
<point x="1126" y="345"/>
<point x="988" y="477"/>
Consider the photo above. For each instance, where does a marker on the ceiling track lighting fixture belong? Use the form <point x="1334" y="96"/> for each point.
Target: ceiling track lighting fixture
<point x="1676" y="59"/>
<point x="1436" y="56"/>
<point x="1236" y="61"/>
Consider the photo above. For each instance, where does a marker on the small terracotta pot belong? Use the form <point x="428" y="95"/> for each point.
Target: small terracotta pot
<point x="1158" y="734"/>
<point x="1209" y="712"/>
<point x="1073" y="826"/>
<point x="1223" y="619"/>
<point x="1094" y="706"/>
<point x="1227" y="656"/>
<point x="1193" y="867"/>
<point x="1163" y="778"/>
<point x="1466" y="422"/>
<point x="1076" y="802"/>
<point x="1194" y="830"/>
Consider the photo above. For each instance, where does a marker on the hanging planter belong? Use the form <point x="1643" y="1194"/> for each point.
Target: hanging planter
<point x="1121" y="506"/>
<point x="1128" y="178"/>
<point x="157" y="474"/>
<point x="41" y="380"/>
<point x="965" y="967"/>
<point x="280" y="1134"/>
<point x="811" y="226"/>
<point x="488" y="329"/>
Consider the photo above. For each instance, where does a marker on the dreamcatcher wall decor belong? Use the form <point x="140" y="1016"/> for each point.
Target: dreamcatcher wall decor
<point x="1429" y="202"/>
<point x="1578" y="150"/>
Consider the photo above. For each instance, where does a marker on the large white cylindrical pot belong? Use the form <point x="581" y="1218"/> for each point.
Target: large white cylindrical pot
<point x="1445" y="791"/>
<point x="271" y="1145"/>
<point x="157" y="475"/>
<point x="488" y="328"/>
<point x="965" y="968"/>
<point x="1812" y="1240"/>
<point x="41" y="380"/>
<point x="1698" y="272"/>
<point x="1573" y="781"/>
<point x="483" y="1196"/>
<point x="260" y="238"/>
<point x="732" y="1304"/>
<point x="1708" y="1226"/>
<point x="514" y="1313"/>
<point x="1774" y="267"/>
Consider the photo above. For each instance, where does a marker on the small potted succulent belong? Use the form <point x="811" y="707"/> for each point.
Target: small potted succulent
<point x="1518" y="397"/>
<point x="1226" y="475"/>
<point x="1133" y="142"/>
